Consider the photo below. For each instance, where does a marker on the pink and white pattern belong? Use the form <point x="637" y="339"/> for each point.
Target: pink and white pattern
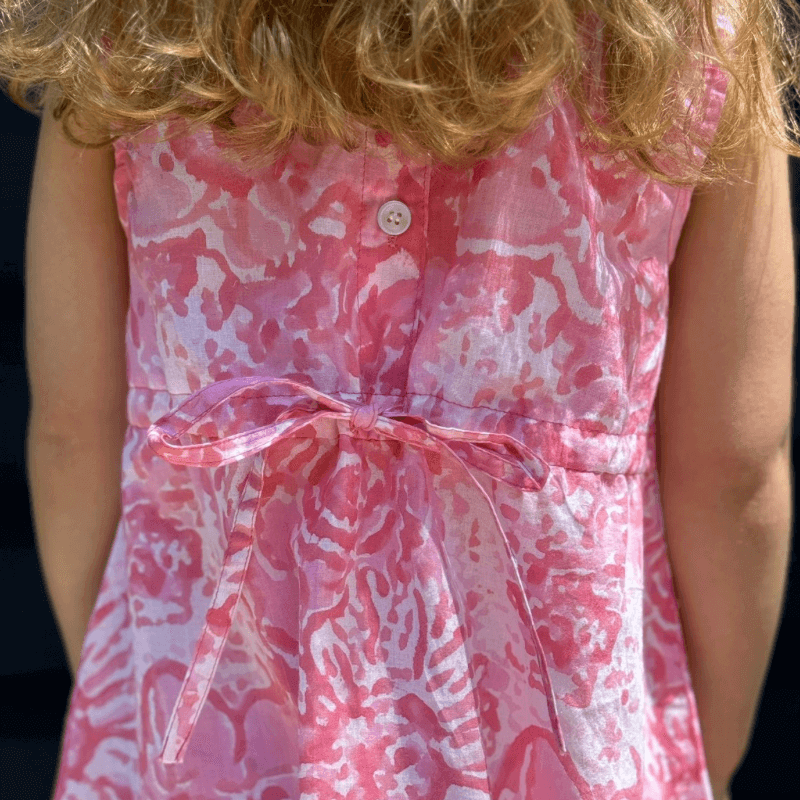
<point x="391" y="524"/>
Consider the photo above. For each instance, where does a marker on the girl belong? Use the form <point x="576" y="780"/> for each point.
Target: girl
<point x="369" y="301"/>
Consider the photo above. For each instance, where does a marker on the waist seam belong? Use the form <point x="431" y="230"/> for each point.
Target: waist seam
<point x="534" y="420"/>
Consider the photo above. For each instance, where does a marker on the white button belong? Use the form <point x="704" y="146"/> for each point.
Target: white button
<point x="394" y="217"/>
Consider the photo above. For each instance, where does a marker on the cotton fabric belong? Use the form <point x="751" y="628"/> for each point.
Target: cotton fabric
<point x="391" y="524"/>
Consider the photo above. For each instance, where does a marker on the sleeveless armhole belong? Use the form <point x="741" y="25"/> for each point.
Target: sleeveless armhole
<point x="704" y="120"/>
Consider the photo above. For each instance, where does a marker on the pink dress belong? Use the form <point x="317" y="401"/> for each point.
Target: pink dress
<point x="391" y="525"/>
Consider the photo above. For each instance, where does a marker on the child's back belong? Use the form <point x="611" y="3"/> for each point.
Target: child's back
<point x="391" y="523"/>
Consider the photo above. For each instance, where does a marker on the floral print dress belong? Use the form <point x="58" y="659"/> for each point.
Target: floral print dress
<point x="391" y="525"/>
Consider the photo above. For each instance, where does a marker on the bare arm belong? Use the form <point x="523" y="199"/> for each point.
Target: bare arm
<point x="729" y="564"/>
<point x="76" y="295"/>
<point x="75" y="499"/>
<point x="724" y="418"/>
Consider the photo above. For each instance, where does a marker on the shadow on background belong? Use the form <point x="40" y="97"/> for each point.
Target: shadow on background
<point x="35" y="680"/>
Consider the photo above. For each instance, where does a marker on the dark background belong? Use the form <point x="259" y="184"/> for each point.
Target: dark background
<point x="34" y="679"/>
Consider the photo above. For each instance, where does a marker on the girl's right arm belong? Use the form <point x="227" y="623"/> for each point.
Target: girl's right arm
<point x="76" y="297"/>
<point x="724" y="408"/>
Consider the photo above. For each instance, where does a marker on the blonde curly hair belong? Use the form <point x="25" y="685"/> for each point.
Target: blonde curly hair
<point x="455" y="80"/>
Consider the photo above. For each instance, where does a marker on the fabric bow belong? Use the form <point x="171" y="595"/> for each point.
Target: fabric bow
<point x="524" y="470"/>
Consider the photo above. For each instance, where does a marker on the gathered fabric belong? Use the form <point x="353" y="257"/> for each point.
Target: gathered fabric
<point x="522" y="469"/>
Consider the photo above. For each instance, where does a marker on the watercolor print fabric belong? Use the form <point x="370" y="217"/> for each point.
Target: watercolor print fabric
<point x="390" y="515"/>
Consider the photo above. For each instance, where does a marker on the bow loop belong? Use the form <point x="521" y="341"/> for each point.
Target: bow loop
<point x="220" y="418"/>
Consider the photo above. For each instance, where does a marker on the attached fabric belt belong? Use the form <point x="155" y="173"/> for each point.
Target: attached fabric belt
<point x="522" y="469"/>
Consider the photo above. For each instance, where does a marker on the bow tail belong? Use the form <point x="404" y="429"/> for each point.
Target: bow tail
<point x="555" y="722"/>
<point x="218" y="622"/>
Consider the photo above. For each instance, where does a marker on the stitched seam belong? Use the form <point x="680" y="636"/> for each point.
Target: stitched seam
<point x="358" y="266"/>
<point x="582" y="428"/>
<point x="421" y="282"/>
<point x="411" y="444"/>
